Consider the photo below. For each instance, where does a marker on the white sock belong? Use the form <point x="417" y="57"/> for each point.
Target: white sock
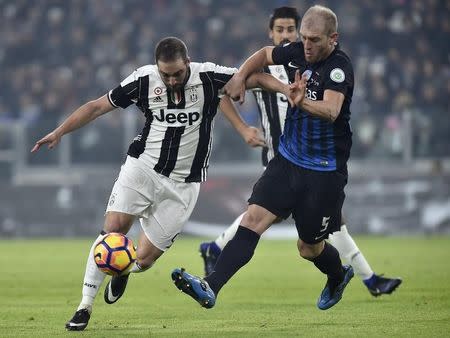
<point x="93" y="279"/>
<point x="349" y="252"/>
<point x="229" y="233"/>
<point x="136" y="268"/>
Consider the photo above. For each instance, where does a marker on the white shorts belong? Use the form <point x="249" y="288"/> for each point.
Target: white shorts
<point x="162" y="204"/>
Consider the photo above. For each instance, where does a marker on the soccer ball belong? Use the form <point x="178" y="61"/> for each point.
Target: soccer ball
<point x="115" y="254"/>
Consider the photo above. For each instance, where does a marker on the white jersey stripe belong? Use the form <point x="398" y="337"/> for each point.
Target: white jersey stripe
<point x="180" y="156"/>
<point x="272" y="111"/>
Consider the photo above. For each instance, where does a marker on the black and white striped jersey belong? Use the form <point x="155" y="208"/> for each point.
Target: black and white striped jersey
<point x="272" y="109"/>
<point x="177" y="137"/>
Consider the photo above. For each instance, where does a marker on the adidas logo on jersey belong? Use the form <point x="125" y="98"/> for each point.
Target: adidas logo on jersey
<point x="157" y="99"/>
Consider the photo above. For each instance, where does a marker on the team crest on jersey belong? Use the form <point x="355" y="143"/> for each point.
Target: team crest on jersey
<point x="112" y="199"/>
<point x="308" y="74"/>
<point x="337" y="75"/>
<point x="193" y="94"/>
<point x="157" y="91"/>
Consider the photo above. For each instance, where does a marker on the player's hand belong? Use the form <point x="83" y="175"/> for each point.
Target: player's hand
<point x="235" y="88"/>
<point x="297" y="89"/>
<point x="52" y="139"/>
<point x="287" y="92"/>
<point x="252" y="137"/>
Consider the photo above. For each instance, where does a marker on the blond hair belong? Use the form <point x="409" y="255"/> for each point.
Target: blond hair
<point x="327" y="15"/>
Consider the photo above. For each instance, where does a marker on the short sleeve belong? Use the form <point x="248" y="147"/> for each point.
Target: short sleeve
<point x="339" y="75"/>
<point x="288" y="53"/>
<point x="126" y="93"/>
<point x="221" y="76"/>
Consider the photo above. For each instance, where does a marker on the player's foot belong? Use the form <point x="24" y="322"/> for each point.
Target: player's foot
<point x="331" y="296"/>
<point x="195" y="287"/>
<point x="379" y="285"/>
<point x="79" y="320"/>
<point x="210" y="253"/>
<point x="115" y="288"/>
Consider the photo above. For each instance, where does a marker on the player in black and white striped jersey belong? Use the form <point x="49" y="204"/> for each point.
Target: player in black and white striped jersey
<point x="283" y="28"/>
<point x="176" y="139"/>
<point x="160" y="179"/>
<point x="272" y="109"/>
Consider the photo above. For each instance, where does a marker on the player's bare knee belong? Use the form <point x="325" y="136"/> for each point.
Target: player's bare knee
<point x="114" y="227"/>
<point x="147" y="256"/>
<point x="118" y="222"/>
<point x="278" y="220"/>
<point x="144" y="263"/>
<point x="305" y="251"/>
<point x="250" y="220"/>
<point x="258" y="219"/>
<point x="309" y="251"/>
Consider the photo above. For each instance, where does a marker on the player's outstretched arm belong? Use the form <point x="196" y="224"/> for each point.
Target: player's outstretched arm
<point x="83" y="115"/>
<point x="267" y="82"/>
<point x="251" y="135"/>
<point x="235" y="88"/>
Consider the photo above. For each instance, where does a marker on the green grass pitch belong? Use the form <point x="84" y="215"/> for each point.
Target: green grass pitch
<point x="274" y="295"/>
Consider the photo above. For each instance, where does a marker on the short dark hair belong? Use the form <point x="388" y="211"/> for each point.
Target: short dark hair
<point x="283" y="13"/>
<point x="171" y="49"/>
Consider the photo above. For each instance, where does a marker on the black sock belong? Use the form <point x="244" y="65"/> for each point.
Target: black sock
<point x="234" y="255"/>
<point x="330" y="264"/>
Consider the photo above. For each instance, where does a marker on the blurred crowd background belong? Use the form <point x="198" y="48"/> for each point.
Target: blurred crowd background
<point x="57" y="54"/>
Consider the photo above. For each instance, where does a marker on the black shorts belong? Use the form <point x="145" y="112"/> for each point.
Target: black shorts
<point x="314" y="198"/>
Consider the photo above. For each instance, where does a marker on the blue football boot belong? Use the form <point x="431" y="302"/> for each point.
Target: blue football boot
<point x="379" y="285"/>
<point x="210" y="253"/>
<point x="195" y="287"/>
<point x="329" y="297"/>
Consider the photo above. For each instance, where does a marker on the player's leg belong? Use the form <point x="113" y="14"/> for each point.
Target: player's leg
<point x="316" y="215"/>
<point x="241" y="248"/>
<point x="93" y="277"/>
<point x="326" y="258"/>
<point x="350" y="253"/>
<point x="128" y="200"/>
<point x="238" y="252"/>
<point x="269" y="198"/>
<point x="210" y="251"/>
<point x="162" y="223"/>
<point x="229" y="233"/>
<point x="147" y="254"/>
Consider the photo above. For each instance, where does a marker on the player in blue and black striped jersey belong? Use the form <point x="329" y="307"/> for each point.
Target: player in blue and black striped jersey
<point x="306" y="179"/>
<point x="283" y="28"/>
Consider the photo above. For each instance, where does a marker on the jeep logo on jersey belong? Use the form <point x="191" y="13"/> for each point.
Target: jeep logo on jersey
<point x="181" y="117"/>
